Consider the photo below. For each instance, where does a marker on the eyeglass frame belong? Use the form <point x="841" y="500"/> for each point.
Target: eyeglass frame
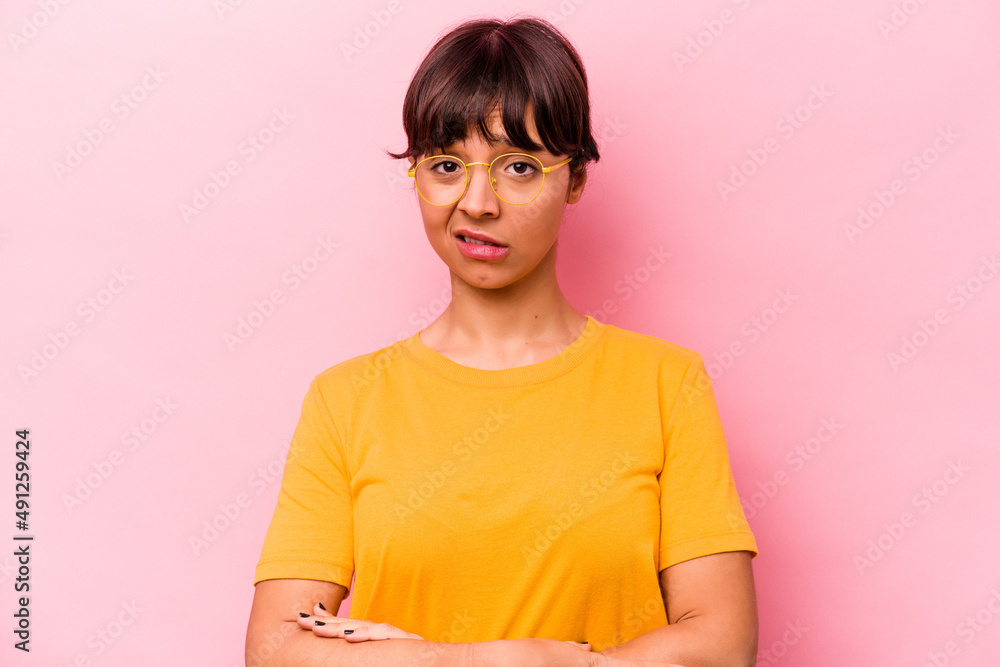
<point x="412" y="171"/>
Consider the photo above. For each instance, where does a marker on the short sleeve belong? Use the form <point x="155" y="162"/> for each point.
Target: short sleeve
<point x="311" y="534"/>
<point x="700" y="512"/>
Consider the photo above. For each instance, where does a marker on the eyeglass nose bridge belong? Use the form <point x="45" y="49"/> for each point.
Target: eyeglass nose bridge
<point x="489" y="171"/>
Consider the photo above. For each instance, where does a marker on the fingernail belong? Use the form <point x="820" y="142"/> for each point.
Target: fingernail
<point x="303" y="614"/>
<point x="321" y="606"/>
<point x="320" y="623"/>
<point x="347" y="632"/>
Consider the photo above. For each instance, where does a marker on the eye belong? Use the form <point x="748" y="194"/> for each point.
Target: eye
<point x="522" y="167"/>
<point x="447" y="166"/>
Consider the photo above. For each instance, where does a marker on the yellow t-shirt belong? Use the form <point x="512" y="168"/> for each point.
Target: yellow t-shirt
<point x="537" y="501"/>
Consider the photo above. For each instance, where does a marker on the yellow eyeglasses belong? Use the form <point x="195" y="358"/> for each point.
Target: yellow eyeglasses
<point x="516" y="178"/>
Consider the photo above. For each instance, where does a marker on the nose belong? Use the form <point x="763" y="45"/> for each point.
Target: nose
<point x="479" y="199"/>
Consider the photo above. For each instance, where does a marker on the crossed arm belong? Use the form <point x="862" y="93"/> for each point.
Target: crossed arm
<point x="710" y="601"/>
<point x="712" y="613"/>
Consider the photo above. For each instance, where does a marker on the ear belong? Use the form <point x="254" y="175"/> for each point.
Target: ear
<point x="576" y="188"/>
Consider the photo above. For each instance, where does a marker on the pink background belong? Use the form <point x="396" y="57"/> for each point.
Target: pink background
<point x="819" y="109"/>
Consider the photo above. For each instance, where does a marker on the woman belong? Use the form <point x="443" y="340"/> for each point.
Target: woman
<point x="516" y="479"/>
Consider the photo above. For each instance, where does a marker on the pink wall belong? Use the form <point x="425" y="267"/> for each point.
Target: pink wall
<point x="170" y="168"/>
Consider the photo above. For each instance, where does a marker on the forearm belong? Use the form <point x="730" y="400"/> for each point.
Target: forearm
<point x="301" y="648"/>
<point x="691" y="643"/>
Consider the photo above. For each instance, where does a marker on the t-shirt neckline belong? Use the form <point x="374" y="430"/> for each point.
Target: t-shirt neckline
<point x="550" y="368"/>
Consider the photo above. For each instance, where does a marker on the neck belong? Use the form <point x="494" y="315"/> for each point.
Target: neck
<point x="532" y="311"/>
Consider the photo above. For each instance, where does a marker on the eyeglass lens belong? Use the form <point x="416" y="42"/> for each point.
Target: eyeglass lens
<point x="516" y="178"/>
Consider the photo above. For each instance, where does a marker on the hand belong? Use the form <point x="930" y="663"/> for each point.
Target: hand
<point x="334" y="626"/>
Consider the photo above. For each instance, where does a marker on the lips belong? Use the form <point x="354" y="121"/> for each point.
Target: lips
<point x="475" y="241"/>
<point x="478" y="236"/>
<point x="481" y="251"/>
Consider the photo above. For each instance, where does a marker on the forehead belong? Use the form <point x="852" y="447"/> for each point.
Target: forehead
<point x="495" y="123"/>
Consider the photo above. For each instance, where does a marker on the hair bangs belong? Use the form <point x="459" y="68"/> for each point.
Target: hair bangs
<point x="519" y="67"/>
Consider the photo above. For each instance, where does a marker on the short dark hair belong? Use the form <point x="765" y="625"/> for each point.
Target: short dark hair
<point x="483" y="62"/>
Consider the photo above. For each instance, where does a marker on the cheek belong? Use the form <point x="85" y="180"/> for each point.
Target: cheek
<point x="543" y="216"/>
<point x="539" y="224"/>
<point x="435" y="220"/>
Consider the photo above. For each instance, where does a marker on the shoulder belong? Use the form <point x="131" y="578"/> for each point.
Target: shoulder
<point x="634" y="347"/>
<point x="360" y="370"/>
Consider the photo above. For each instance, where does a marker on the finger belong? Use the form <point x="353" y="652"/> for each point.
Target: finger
<point x="325" y="628"/>
<point x="376" y="631"/>
<point x="584" y="645"/>
<point x="354" y="634"/>
<point x="319" y="610"/>
<point x="352" y="629"/>
<point x="308" y="622"/>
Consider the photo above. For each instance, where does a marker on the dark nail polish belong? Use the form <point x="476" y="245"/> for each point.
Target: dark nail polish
<point x="347" y="632"/>
<point x="321" y="606"/>
<point x="320" y="623"/>
<point x="584" y="642"/>
<point x="303" y="614"/>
